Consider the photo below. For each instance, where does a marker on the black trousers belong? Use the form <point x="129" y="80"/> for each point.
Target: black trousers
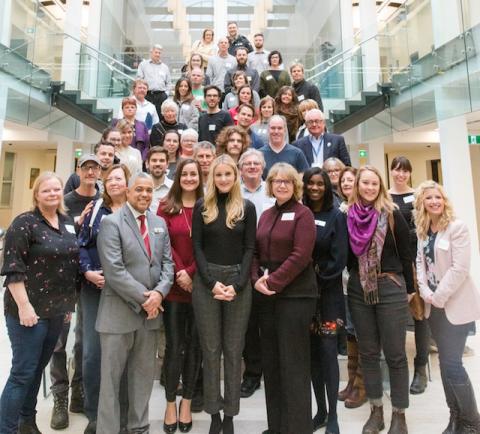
<point x="382" y="326"/>
<point x="157" y="97"/>
<point x="252" y="353"/>
<point x="182" y="349"/>
<point x="285" y="338"/>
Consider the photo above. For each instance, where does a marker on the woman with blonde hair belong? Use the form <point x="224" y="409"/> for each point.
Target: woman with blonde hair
<point x="41" y="269"/>
<point x="223" y="226"/>
<point x="287" y="291"/>
<point x="381" y="276"/>
<point x="266" y="110"/>
<point x="452" y="300"/>
<point x="233" y="141"/>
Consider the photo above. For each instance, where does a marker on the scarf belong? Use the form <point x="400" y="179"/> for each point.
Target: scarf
<point x="367" y="229"/>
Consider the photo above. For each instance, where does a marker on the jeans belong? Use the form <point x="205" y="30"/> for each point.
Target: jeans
<point x="58" y="365"/>
<point x="90" y="298"/>
<point x="382" y="326"/>
<point x="32" y="348"/>
<point x="182" y="349"/>
<point x="450" y="341"/>
<point x="221" y="329"/>
<point x="422" y="342"/>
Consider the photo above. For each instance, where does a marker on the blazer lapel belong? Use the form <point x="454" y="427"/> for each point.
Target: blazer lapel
<point x="309" y="149"/>
<point x="327" y="150"/>
<point x="130" y="219"/>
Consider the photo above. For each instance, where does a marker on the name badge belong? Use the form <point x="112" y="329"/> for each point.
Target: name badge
<point x="228" y="65"/>
<point x="232" y="98"/>
<point x="268" y="77"/>
<point x="158" y="230"/>
<point x="186" y="107"/>
<point x="180" y="132"/>
<point x="249" y="78"/>
<point x="301" y="97"/>
<point x="320" y="223"/>
<point x="76" y="218"/>
<point x="443" y="244"/>
<point x="212" y="127"/>
<point x="288" y="216"/>
<point x="409" y="199"/>
<point x="70" y="229"/>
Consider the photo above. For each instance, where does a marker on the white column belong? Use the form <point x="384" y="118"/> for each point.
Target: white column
<point x="346" y="21"/>
<point x="65" y="158"/>
<point x="71" y="48"/>
<point x="446" y="11"/>
<point x="5" y="22"/>
<point x="370" y="50"/>
<point x="220" y="18"/>
<point x="458" y="177"/>
<point x="376" y="157"/>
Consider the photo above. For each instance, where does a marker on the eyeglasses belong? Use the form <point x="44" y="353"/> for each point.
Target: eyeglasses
<point x="315" y="122"/>
<point x="86" y="169"/>
<point x="279" y="182"/>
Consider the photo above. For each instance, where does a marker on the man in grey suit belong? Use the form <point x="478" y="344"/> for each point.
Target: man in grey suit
<point x="134" y="250"/>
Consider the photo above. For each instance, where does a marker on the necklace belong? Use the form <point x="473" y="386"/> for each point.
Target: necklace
<point x="186" y="221"/>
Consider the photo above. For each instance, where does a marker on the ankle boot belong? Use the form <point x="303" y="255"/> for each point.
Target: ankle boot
<point x="215" y="424"/>
<point x="28" y="427"/>
<point x="352" y="364"/>
<point x="60" y="411"/>
<point x="398" y="424"/>
<point x="452" y="405"/>
<point x="468" y="419"/>
<point x="227" y="425"/>
<point x="420" y="380"/>
<point x="375" y="422"/>
<point x="358" y="396"/>
<point x="76" y="398"/>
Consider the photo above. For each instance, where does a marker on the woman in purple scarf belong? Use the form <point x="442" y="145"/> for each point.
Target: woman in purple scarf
<point x="379" y="286"/>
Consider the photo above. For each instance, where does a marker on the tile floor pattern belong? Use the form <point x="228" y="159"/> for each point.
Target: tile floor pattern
<point x="427" y="414"/>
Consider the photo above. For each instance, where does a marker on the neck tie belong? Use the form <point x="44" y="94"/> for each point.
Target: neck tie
<point x="144" y="233"/>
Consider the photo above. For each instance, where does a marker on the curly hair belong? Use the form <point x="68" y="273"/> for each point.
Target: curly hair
<point x="422" y="218"/>
<point x="224" y="137"/>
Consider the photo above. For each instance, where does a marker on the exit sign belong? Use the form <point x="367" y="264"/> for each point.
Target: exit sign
<point x="78" y="152"/>
<point x="362" y="153"/>
<point x="474" y="140"/>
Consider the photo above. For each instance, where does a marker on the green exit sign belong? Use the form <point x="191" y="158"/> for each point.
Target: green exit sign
<point x="474" y="140"/>
<point x="78" y="152"/>
<point x="362" y="153"/>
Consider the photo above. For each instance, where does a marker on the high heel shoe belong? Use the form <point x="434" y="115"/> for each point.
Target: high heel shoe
<point x="169" y="428"/>
<point x="183" y="426"/>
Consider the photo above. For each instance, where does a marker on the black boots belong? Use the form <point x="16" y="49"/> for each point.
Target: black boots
<point x="60" y="411"/>
<point x="468" y="417"/>
<point x="375" y="422"/>
<point x="76" y="398"/>
<point x="215" y="424"/>
<point x="420" y="380"/>
<point x="28" y="427"/>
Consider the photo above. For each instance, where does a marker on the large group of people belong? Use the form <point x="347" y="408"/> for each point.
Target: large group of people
<point x="249" y="233"/>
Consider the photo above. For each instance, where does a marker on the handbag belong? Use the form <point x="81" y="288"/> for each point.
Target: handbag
<point x="416" y="304"/>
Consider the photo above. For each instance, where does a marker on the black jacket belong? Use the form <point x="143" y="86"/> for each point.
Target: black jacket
<point x="306" y="90"/>
<point x="239" y="41"/>
<point x="333" y="146"/>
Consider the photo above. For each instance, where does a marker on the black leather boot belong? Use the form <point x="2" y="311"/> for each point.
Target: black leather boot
<point x="76" y="398"/>
<point x="468" y="419"/>
<point x="28" y="427"/>
<point x="420" y="380"/>
<point x="215" y="424"/>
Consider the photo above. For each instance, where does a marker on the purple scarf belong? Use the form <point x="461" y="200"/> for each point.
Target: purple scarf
<point x="361" y="221"/>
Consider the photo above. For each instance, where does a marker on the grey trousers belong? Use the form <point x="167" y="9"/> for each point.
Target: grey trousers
<point x="382" y="326"/>
<point x="221" y="329"/>
<point x="137" y="350"/>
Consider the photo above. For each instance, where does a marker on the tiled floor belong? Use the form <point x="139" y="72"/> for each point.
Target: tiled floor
<point x="427" y="413"/>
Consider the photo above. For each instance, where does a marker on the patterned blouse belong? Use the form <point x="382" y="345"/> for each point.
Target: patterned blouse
<point x="429" y="254"/>
<point x="45" y="259"/>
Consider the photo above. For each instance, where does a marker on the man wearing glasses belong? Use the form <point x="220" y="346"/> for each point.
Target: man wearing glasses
<point x="320" y="145"/>
<point x="214" y="119"/>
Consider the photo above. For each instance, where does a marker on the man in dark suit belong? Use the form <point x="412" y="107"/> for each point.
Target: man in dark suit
<point x="134" y="249"/>
<point x="318" y="146"/>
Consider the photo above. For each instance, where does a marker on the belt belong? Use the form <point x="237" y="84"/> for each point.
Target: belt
<point x="155" y="91"/>
<point x="392" y="276"/>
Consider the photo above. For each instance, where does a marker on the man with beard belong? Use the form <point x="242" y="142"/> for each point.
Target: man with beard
<point x="258" y="59"/>
<point x="236" y="39"/>
<point x="253" y="77"/>
<point x="157" y="164"/>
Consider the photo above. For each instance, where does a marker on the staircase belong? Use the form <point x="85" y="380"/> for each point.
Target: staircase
<point x="359" y="110"/>
<point x="83" y="109"/>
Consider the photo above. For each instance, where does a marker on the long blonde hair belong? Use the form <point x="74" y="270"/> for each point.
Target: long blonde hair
<point x="234" y="205"/>
<point x="422" y="218"/>
<point x="383" y="202"/>
<point x="45" y="176"/>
